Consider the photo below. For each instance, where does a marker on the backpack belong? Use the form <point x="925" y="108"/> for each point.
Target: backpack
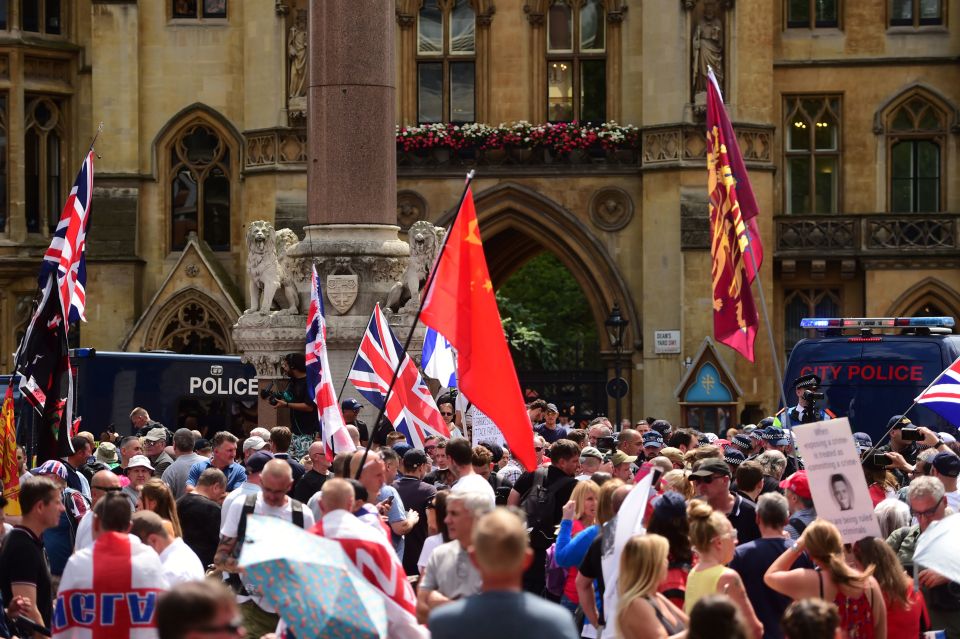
<point x="556" y="577"/>
<point x="798" y="524"/>
<point x="249" y="504"/>
<point x="539" y="505"/>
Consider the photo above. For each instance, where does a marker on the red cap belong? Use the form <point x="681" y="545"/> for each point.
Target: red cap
<point x="798" y="483"/>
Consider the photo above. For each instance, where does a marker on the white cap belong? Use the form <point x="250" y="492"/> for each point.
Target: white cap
<point x="139" y="461"/>
<point x="253" y="443"/>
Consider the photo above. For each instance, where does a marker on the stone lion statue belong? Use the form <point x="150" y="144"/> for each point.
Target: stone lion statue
<point x="269" y="268"/>
<point x="424" y="239"/>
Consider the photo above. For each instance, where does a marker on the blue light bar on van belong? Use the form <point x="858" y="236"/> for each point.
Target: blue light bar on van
<point x="823" y="323"/>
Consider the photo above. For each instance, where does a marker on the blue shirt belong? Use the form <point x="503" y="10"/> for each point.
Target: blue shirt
<point x="502" y="614"/>
<point x="236" y="474"/>
<point x="397" y="513"/>
<point x="551" y="435"/>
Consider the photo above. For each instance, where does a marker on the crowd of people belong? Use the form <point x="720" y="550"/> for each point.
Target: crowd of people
<point x="733" y="546"/>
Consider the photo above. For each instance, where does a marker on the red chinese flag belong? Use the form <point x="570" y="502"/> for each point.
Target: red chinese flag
<point x="461" y="306"/>
<point x="733" y="232"/>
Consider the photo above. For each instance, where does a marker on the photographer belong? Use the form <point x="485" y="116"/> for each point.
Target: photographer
<point x="303" y="412"/>
<point x="810" y="403"/>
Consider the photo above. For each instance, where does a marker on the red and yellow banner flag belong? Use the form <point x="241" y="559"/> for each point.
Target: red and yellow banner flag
<point x="733" y="230"/>
<point x="8" y="454"/>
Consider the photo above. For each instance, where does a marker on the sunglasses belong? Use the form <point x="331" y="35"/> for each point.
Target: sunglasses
<point x="108" y="489"/>
<point x="538" y="448"/>
<point x="705" y="480"/>
<point x="927" y="513"/>
<point x="446" y="413"/>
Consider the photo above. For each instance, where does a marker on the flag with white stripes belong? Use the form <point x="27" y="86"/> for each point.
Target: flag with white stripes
<point x="438" y="359"/>
<point x="943" y="395"/>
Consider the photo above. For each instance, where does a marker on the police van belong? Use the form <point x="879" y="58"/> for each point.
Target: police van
<point x="204" y="392"/>
<point x="872" y="368"/>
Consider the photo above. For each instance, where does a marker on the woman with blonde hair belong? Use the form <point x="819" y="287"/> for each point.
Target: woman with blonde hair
<point x="715" y="539"/>
<point x="863" y="613"/>
<point x="578" y="528"/>
<point x="642" y="612"/>
<point x="156" y="496"/>
<point x="678" y="481"/>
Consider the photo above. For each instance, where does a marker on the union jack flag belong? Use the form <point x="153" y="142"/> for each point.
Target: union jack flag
<point x="319" y="384"/>
<point x="410" y="408"/>
<point x="943" y="395"/>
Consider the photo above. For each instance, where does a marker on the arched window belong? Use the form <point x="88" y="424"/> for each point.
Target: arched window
<point x="576" y="61"/>
<point x="812" y="148"/>
<point x="806" y="303"/>
<point x="200" y="187"/>
<point x="446" y="61"/>
<point x="43" y="163"/>
<point x="916" y="133"/>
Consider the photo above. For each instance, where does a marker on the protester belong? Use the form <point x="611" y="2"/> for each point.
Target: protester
<point x="259" y="617"/>
<point x="856" y="593"/>
<point x="500" y="552"/>
<point x="906" y="609"/>
<point x="460" y="454"/>
<point x="24" y="571"/>
<point x="928" y="504"/>
<point x="881" y="483"/>
<point x="643" y="612"/>
<point x="752" y="559"/>
<point x="102" y="483"/>
<point x="622" y="465"/>
<point x="155" y="496"/>
<point x="773" y="463"/>
<point x="130" y="447"/>
<point x="485" y="458"/>
<point x="179" y="562"/>
<point x="115" y="569"/>
<point x="224" y="453"/>
<point x="175" y="476"/>
<point x="107" y="455"/>
<point x="548" y="428"/>
<point x="312" y="481"/>
<point x="600" y="566"/>
<point x="416" y="495"/>
<point x="717" y="617"/>
<point x="712" y="479"/>
<point x="678" y="481"/>
<point x="440" y="477"/>
<point x="715" y="539"/>
<point x="82" y="450"/>
<point x="591" y="460"/>
<point x="579" y="514"/>
<point x="200" y="514"/>
<point x="796" y="488"/>
<point x="58" y="540"/>
<point x="154" y="445"/>
<point x="946" y="467"/>
<point x="813" y="617"/>
<point x="891" y="514"/>
<point x="138" y="471"/>
<point x="436" y="526"/>
<point x="449" y="573"/>
<point x="669" y="520"/>
<point x="197" y="610"/>
<point x="280" y="439"/>
<point x="252" y="444"/>
<point x="373" y="478"/>
<point x="749" y="477"/>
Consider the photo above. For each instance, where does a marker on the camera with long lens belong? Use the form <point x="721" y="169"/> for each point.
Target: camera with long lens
<point x="273" y="397"/>
<point x="812" y="397"/>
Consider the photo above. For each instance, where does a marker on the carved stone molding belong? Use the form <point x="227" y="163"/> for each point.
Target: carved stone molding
<point x="686" y="145"/>
<point x="368" y="268"/>
<point x="191" y="322"/>
<point x="4" y="66"/>
<point x="611" y="209"/>
<point x="272" y="149"/>
<point x="411" y="207"/>
<point x="46" y="69"/>
<point x="535" y="16"/>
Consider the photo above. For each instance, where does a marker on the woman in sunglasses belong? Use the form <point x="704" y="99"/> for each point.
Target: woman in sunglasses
<point x="715" y="539"/>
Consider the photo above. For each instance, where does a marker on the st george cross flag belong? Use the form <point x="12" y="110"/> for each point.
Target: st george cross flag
<point x="943" y="395"/>
<point x="42" y="360"/>
<point x="439" y="360"/>
<point x="373" y="555"/>
<point x="461" y="306"/>
<point x="335" y="438"/>
<point x="109" y="591"/>
<point x="733" y="229"/>
<point x="410" y="408"/>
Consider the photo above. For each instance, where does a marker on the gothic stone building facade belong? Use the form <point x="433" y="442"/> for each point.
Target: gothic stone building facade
<point x="847" y="113"/>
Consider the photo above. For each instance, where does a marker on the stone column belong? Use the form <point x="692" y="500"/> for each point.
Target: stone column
<point x="351" y="104"/>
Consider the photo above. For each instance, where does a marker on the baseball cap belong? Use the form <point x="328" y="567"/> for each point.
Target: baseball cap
<point x="257" y="461"/>
<point x="863" y="442"/>
<point x="742" y="443"/>
<point x="798" y="483"/>
<point x="711" y="466"/>
<point x="200" y="444"/>
<point x="947" y="438"/>
<point x="107" y="453"/>
<point x="652" y="439"/>
<point x="401" y="448"/>
<point x="807" y="381"/>
<point x="350" y="404"/>
<point x="673" y="454"/>
<point x="552" y="408"/>
<point x="947" y="464"/>
<point x="591" y="451"/>
<point x="52" y="467"/>
<point x="899" y="421"/>
<point x="139" y="461"/>
<point x="496" y="450"/>
<point x="669" y="505"/>
<point x="620" y="457"/>
<point x="414" y="458"/>
<point x="156" y="434"/>
<point x="253" y="443"/>
<point x="711" y="437"/>
<point x="733" y="456"/>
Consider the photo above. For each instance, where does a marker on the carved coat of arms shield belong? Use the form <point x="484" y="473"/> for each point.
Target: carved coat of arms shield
<point x="342" y="291"/>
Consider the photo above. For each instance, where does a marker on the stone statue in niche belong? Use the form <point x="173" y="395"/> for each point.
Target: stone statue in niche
<point x="297" y="53"/>
<point x="425" y="240"/>
<point x="707" y="49"/>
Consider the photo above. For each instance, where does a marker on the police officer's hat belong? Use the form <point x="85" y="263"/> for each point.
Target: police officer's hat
<point x="807" y="381"/>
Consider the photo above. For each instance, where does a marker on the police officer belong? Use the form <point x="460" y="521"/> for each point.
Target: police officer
<point x="801" y="413"/>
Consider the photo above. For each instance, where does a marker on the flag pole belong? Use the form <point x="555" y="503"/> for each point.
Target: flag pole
<point x="416" y="319"/>
<point x="910" y="408"/>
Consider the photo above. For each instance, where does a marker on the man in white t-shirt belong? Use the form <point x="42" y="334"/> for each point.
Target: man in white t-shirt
<point x="460" y="454"/>
<point x="250" y="486"/>
<point x="103" y="482"/>
<point x="180" y="564"/>
<point x="276" y="479"/>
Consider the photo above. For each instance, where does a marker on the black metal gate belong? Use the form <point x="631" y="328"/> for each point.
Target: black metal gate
<point x="583" y="389"/>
